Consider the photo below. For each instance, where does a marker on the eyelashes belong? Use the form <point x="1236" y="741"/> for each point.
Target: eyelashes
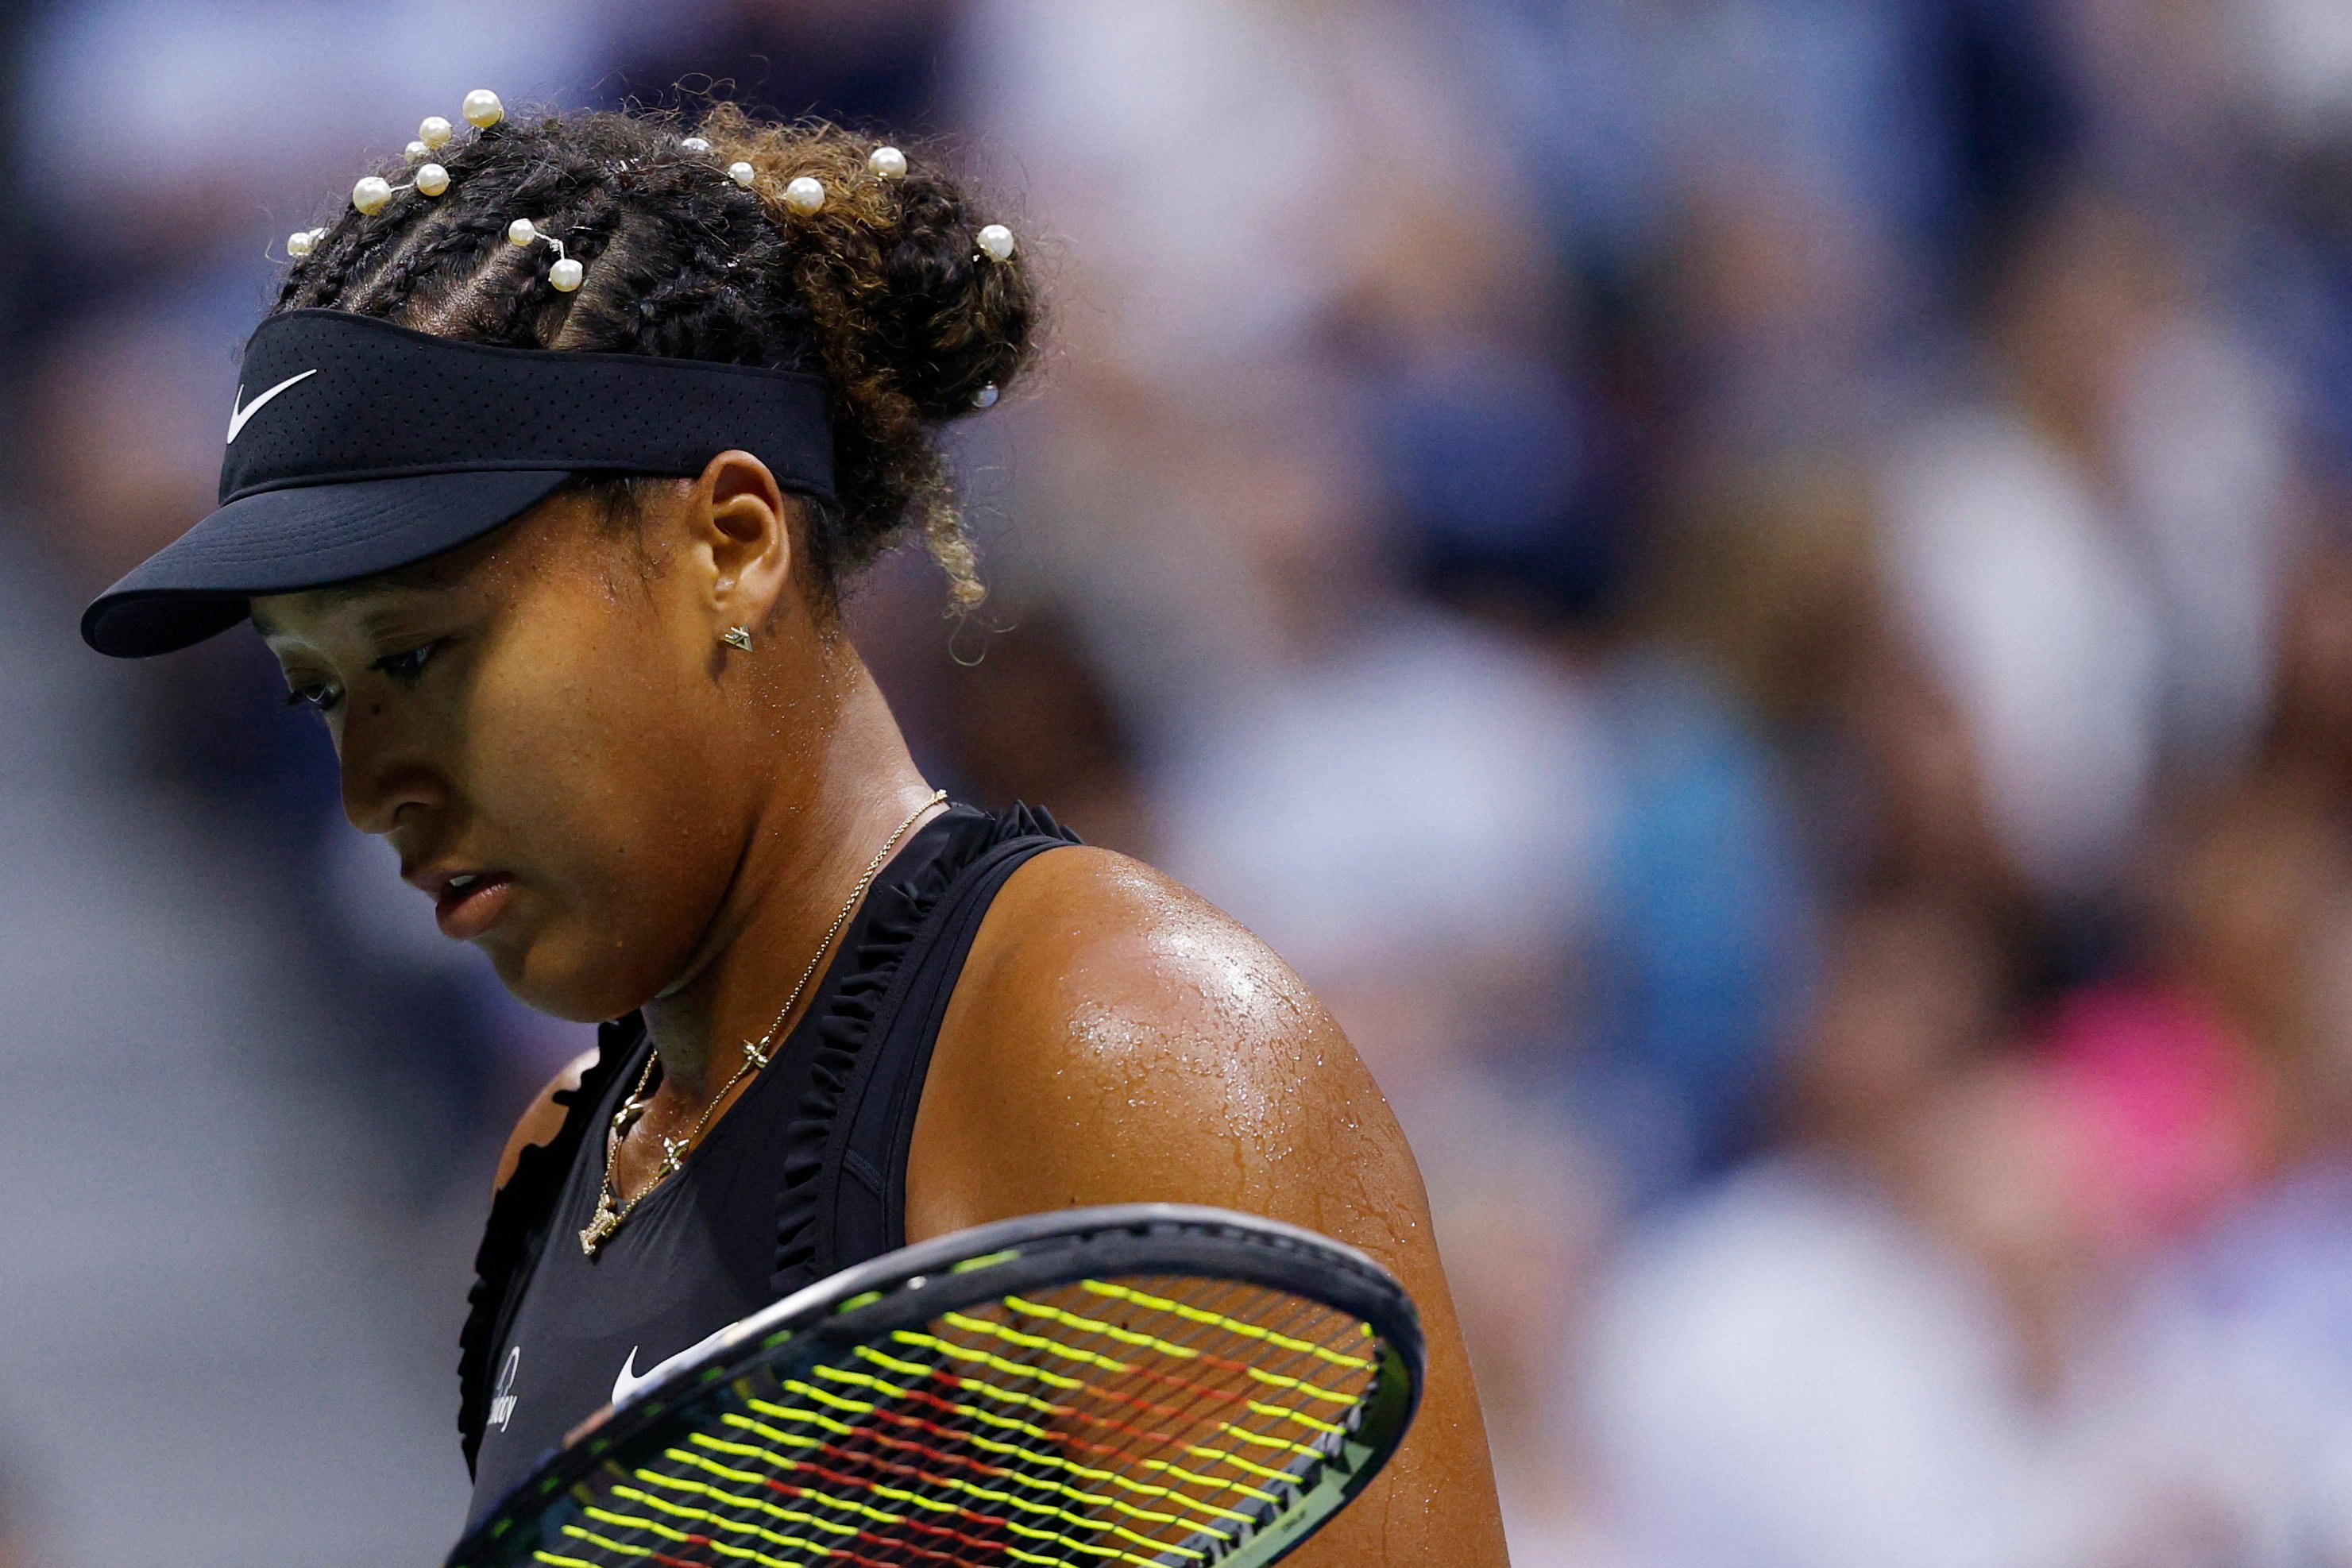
<point x="322" y="697"/>
<point x="406" y="667"/>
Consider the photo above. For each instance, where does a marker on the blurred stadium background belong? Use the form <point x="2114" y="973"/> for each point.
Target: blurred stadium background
<point x="1759" y="591"/>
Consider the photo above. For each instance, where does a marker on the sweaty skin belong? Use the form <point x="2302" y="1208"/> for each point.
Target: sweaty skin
<point x="678" y="823"/>
<point x="1115" y="1038"/>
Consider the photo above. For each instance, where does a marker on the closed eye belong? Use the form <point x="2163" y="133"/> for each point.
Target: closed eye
<point x="315" y="695"/>
<point x="406" y="667"/>
<point x="323" y="697"/>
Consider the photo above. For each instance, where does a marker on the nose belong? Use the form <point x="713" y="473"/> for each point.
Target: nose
<point x="385" y="770"/>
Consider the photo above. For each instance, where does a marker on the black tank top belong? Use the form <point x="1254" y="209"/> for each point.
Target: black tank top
<point x="804" y="1175"/>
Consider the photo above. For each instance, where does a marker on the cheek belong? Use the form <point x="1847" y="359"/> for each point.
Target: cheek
<point x="596" y="764"/>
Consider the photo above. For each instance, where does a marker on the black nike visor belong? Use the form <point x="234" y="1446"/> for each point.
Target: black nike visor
<point x="356" y="447"/>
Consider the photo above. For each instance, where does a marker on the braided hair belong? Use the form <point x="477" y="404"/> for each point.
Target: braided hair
<point x="882" y="291"/>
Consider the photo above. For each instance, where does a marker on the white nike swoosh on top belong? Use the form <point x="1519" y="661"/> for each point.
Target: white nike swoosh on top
<point x="628" y="1383"/>
<point x="240" y="412"/>
<point x="631" y="1380"/>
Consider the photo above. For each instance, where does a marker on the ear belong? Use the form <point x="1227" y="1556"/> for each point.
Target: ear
<point x="738" y="526"/>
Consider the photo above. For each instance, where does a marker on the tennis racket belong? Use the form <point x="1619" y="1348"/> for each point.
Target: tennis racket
<point x="1151" y="1385"/>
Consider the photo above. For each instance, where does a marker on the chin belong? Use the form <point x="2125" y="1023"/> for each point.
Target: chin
<point x="575" y="981"/>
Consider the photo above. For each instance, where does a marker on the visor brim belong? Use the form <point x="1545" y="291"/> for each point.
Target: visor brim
<point x="306" y="536"/>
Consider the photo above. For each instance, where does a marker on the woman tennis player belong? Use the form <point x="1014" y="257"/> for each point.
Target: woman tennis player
<point x="542" y="483"/>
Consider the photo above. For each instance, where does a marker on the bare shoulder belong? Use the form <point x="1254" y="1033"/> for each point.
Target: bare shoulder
<point x="542" y="1118"/>
<point x="1083" y="932"/>
<point x="1116" y="1038"/>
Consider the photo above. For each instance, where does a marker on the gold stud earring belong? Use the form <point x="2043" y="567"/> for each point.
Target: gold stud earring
<point x="737" y="636"/>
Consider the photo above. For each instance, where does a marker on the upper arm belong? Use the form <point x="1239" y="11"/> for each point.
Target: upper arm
<point x="1144" y="1047"/>
<point x="542" y="1118"/>
<point x="1115" y="1038"/>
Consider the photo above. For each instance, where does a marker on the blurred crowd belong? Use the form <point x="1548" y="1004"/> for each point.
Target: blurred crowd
<point x="1757" y="591"/>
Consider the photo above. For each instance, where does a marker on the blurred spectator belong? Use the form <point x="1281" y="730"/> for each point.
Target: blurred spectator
<point x="1851" y="1353"/>
<point x="2245" y="1339"/>
<point x="2091" y="553"/>
<point x="1701" y="932"/>
<point x="1030" y="721"/>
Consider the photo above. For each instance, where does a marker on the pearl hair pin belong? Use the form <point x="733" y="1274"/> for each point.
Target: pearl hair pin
<point x="888" y="164"/>
<point x="374" y="192"/>
<point x="566" y="274"/>
<point x="985" y="397"/>
<point x="996" y="242"/>
<point x="694" y="145"/>
<point x="804" y="195"/>
<point x="303" y="241"/>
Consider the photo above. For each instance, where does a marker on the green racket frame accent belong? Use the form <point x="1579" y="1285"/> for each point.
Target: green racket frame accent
<point x="911" y="1288"/>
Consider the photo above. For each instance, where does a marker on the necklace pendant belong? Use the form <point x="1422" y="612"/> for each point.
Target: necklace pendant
<point x="600" y="1229"/>
<point x="752" y="1053"/>
<point x="672" y="1154"/>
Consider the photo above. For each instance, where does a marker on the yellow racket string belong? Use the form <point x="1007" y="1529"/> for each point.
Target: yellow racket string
<point x="1062" y="1488"/>
<point x="1218" y="1320"/>
<point x="997" y="1364"/>
<point x="1300" y="1311"/>
<point x="1013" y="1336"/>
<point x="1043" y="1536"/>
<point x="1015" y="1451"/>
<point x="959" y="1487"/>
<point x="908" y="1459"/>
<point x="892" y="1391"/>
<point x="1183" y="1352"/>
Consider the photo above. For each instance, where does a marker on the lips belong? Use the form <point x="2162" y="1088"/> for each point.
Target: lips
<point x="469" y="901"/>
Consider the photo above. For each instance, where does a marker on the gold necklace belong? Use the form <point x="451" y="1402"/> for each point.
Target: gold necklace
<point x="611" y="1209"/>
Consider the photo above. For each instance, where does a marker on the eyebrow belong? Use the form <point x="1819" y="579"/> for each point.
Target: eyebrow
<point x="418" y="577"/>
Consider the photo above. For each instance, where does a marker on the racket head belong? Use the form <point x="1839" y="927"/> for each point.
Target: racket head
<point x="1149" y="1383"/>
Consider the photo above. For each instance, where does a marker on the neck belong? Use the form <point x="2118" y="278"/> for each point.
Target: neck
<point x="844" y="784"/>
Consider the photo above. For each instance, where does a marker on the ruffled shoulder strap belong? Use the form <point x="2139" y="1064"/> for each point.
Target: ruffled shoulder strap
<point x="515" y="1232"/>
<point x="848" y="1029"/>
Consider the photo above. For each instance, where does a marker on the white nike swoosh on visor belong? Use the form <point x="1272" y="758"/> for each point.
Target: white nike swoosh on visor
<point x="240" y="413"/>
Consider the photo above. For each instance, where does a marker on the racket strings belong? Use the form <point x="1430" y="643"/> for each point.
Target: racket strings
<point x="1224" y="1515"/>
<point x="1299" y="1314"/>
<point x="1031" y="1403"/>
<point x="1225" y="1490"/>
<point x="1106" y="1422"/>
<point x="1225" y="1523"/>
<point x="1108" y="1457"/>
<point x="1057" y="1515"/>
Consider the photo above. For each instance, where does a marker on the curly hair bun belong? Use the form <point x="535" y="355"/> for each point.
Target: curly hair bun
<point x="892" y="266"/>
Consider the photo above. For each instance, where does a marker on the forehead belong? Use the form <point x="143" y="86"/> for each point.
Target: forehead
<point x="277" y="613"/>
